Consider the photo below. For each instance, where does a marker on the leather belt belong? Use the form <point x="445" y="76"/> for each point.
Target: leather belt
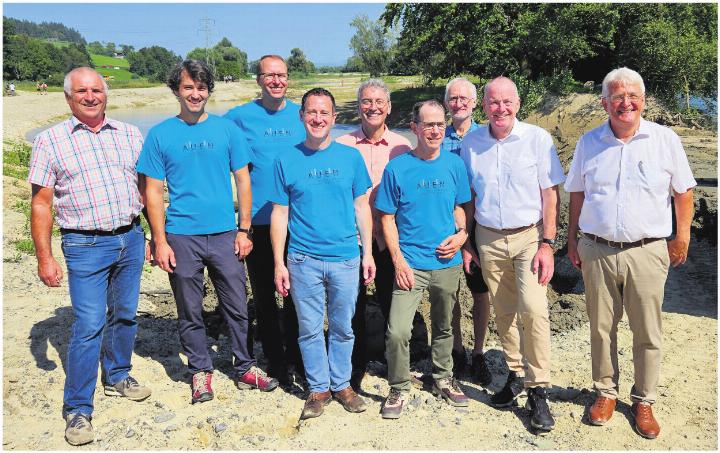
<point x="119" y="230"/>
<point x="511" y="230"/>
<point x="620" y="245"/>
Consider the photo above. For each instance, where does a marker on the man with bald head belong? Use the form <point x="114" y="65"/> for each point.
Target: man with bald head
<point x="514" y="172"/>
<point x="84" y="168"/>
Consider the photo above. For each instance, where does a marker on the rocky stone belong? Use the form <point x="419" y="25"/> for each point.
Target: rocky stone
<point x="164" y="417"/>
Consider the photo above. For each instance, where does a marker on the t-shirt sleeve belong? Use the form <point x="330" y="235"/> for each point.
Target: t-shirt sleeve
<point x="550" y="171"/>
<point x="575" y="181"/>
<point x="361" y="181"/>
<point x="387" y="198"/>
<point x="463" y="185"/>
<point x="42" y="172"/>
<point x="151" y="162"/>
<point x="682" y="178"/>
<point x="280" y="193"/>
<point x="240" y="153"/>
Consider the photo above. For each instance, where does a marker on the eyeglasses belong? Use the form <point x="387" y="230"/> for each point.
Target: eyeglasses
<point x="321" y="114"/>
<point x="429" y="126"/>
<point x="632" y="97"/>
<point x="272" y="75"/>
<point x="459" y="100"/>
<point x="380" y="103"/>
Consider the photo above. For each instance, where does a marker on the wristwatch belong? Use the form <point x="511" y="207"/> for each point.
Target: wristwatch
<point x="550" y="242"/>
<point x="248" y="231"/>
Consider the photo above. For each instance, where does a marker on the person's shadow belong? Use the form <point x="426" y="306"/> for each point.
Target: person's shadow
<point x="54" y="331"/>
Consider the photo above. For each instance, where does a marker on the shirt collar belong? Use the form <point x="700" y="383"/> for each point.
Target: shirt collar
<point x="606" y="133"/>
<point x="360" y="137"/>
<point x="107" y="123"/>
<point x="452" y="133"/>
<point x="516" y="132"/>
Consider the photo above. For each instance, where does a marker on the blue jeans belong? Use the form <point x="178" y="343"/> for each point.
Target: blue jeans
<point x="312" y="282"/>
<point x="104" y="279"/>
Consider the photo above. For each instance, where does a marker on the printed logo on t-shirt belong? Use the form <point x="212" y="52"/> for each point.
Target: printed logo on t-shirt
<point x="323" y="174"/>
<point x="199" y="146"/>
<point x="279" y="132"/>
<point x="431" y="185"/>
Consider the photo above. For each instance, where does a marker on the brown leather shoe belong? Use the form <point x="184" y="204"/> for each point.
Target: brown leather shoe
<point x="315" y="404"/>
<point x="601" y="410"/>
<point x="645" y="423"/>
<point x="350" y="400"/>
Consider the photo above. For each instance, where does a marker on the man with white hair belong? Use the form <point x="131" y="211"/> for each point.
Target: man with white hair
<point x="377" y="145"/>
<point x="84" y="168"/>
<point x="623" y="176"/>
<point x="514" y="171"/>
<point x="460" y="100"/>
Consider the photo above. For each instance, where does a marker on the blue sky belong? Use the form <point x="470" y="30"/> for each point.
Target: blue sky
<point x="321" y="30"/>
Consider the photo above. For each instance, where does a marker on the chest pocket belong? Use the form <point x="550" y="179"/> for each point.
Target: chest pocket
<point x="652" y="178"/>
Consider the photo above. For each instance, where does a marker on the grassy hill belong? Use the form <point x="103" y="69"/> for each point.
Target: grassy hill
<point x="111" y="63"/>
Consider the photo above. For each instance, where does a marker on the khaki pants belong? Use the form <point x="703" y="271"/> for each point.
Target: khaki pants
<point x="442" y="286"/>
<point x="633" y="279"/>
<point x="521" y="309"/>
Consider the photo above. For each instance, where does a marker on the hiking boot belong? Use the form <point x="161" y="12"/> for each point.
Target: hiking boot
<point x="202" y="387"/>
<point x="128" y="388"/>
<point x="255" y="378"/>
<point x="450" y="391"/>
<point x="78" y="429"/>
<point x="315" y="404"/>
<point x="480" y="371"/>
<point x="459" y="362"/>
<point x="393" y="405"/>
<point x="537" y="402"/>
<point x="350" y="400"/>
<point x="513" y="388"/>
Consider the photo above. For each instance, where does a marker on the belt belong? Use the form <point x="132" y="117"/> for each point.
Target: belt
<point x="511" y="230"/>
<point x="620" y="245"/>
<point x="119" y="230"/>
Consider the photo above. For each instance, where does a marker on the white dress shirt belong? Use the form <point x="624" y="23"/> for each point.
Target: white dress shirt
<point x="628" y="186"/>
<point x="508" y="175"/>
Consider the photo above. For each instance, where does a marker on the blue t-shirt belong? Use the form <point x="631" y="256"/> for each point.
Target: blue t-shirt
<point x="320" y="187"/>
<point x="268" y="133"/>
<point x="452" y="140"/>
<point x="422" y="195"/>
<point x="196" y="160"/>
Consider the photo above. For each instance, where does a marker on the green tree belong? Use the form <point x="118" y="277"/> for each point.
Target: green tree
<point x="297" y="62"/>
<point x="153" y="62"/>
<point x="96" y="48"/>
<point x="228" y="59"/>
<point x="372" y="45"/>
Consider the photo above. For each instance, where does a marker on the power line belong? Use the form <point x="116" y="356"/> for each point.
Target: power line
<point x="206" y="25"/>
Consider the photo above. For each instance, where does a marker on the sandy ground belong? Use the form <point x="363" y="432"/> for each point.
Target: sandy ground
<point x="36" y="325"/>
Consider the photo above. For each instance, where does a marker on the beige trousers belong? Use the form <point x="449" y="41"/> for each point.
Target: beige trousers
<point x="633" y="279"/>
<point x="521" y="308"/>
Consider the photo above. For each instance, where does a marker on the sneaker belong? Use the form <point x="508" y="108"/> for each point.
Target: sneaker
<point x="537" y="402"/>
<point x="202" y="387"/>
<point x="128" y="388"/>
<point x="78" y="429"/>
<point x="513" y="388"/>
<point x="449" y="390"/>
<point x="459" y="362"/>
<point x="480" y="370"/>
<point x="394" y="403"/>
<point x="315" y="404"/>
<point x="255" y="378"/>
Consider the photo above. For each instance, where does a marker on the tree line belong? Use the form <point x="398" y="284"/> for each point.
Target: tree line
<point x="673" y="46"/>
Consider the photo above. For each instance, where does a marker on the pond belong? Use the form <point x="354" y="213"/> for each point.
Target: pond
<point x="146" y="117"/>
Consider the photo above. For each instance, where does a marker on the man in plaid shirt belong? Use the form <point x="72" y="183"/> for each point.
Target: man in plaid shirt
<point x="85" y="168"/>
